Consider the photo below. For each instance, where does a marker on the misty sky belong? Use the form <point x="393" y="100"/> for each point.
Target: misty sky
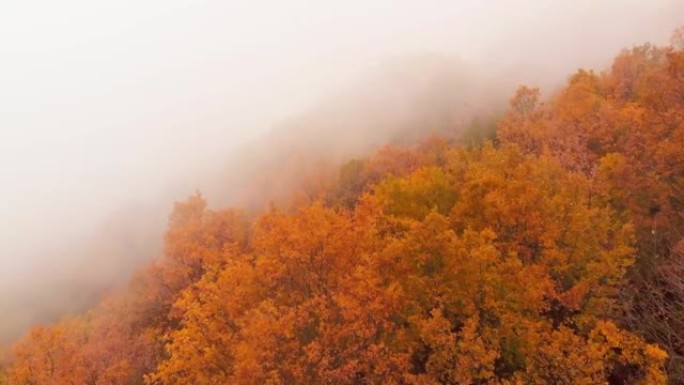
<point x="107" y="102"/>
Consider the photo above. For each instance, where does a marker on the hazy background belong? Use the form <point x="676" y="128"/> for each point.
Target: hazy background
<point x="109" y="111"/>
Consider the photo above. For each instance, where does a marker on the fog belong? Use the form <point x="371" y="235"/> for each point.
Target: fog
<point x="110" y="111"/>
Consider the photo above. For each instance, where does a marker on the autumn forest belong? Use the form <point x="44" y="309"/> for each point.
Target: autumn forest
<point x="547" y="251"/>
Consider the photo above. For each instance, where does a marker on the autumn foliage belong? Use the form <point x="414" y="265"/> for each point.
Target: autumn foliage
<point x="552" y="255"/>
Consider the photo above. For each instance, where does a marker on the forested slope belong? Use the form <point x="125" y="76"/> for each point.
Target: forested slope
<point x="549" y="255"/>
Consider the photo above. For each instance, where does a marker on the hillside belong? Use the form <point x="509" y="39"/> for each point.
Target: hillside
<point x="550" y="254"/>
